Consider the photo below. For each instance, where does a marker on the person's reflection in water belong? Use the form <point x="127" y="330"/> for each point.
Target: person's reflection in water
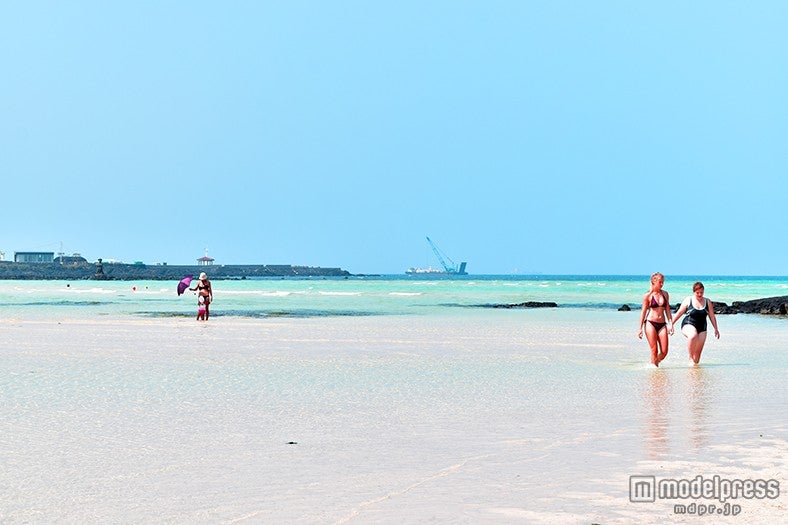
<point x="657" y="396"/>
<point x="698" y="399"/>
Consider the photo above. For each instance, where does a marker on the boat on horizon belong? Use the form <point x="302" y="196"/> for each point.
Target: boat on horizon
<point x="449" y="267"/>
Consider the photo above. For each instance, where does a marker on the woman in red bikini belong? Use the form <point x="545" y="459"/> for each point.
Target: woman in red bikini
<point x="657" y="319"/>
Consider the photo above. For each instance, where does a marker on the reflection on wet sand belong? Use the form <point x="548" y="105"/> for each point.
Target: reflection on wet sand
<point x="691" y="415"/>
<point x="698" y="399"/>
<point x="657" y="397"/>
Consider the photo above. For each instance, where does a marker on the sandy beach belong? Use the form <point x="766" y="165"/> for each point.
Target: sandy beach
<point x="428" y="230"/>
<point x="489" y="417"/>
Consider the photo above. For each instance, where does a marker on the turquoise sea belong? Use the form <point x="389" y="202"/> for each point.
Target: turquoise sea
<point x="385" y="400"/>
<point x="362" y="296"/>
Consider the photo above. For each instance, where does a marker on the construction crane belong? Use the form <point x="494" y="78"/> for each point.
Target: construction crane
<point x="449" y="267"/>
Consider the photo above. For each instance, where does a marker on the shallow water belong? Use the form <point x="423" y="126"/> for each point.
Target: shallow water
<point x="393" y="295"/>
<point x="471" y="415"/>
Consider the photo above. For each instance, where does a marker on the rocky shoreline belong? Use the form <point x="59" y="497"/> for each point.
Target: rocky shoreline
<point x="129" y="272"/>
<point x="526" y="304"/>
<point x="765" y="306"/>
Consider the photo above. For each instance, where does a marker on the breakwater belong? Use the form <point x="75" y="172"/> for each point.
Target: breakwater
<point x="127" y="272"/>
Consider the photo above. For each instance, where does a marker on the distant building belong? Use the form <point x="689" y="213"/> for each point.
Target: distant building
<point x="34" y="257"/>
<point x="70" y="259"/>
<point x="205" y="260"/>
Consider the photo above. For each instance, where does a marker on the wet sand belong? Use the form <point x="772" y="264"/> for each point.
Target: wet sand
<point x="489" y="417"/>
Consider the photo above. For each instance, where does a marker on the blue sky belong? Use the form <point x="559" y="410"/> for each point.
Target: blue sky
<point x="521" y="136"/>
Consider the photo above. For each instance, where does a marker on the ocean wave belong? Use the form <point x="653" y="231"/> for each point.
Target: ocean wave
<point x="258" y="293"/>
<point x="67" y="290"/>
<point x="406" y="294"/>
<point x="63" y="302"/>
<point x="91" y="290"/>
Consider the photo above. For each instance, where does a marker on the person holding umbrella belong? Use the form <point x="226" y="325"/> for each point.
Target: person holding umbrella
<point x="204" y="294"/>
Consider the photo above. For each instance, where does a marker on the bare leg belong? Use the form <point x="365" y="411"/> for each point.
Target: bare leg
<point x="695" y="342"/>
<point x="699" y="342"/>
<point x="663" y="343"/>
<point x="652" y="338"/>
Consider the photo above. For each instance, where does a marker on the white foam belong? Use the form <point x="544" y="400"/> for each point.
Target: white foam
<point x="259" y="293"/>
<point x="93" y="291"/>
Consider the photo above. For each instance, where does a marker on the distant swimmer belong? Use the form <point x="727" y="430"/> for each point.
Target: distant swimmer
<point x="656" y="318"/>
<point x="698" y="308"/>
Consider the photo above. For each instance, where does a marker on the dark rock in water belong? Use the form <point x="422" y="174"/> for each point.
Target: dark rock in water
<point x="723" y="308"/>
<point x="527" y="304"/>
<point x="767" y="306"/>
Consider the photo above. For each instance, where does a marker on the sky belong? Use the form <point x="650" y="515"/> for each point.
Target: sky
<point x="521" y="136"/>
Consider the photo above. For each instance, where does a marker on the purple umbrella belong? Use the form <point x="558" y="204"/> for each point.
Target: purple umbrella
<point x="185" y="282"/>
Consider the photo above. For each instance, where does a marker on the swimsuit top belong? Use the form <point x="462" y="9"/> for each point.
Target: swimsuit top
<point x="655" y="304"/>
<point x="698" y="314"/>
<point x="204" y="289"/>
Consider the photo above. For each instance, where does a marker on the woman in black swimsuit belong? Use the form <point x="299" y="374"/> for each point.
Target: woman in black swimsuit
<point x="697" y="308"/>
<point x="656" y="316"/>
